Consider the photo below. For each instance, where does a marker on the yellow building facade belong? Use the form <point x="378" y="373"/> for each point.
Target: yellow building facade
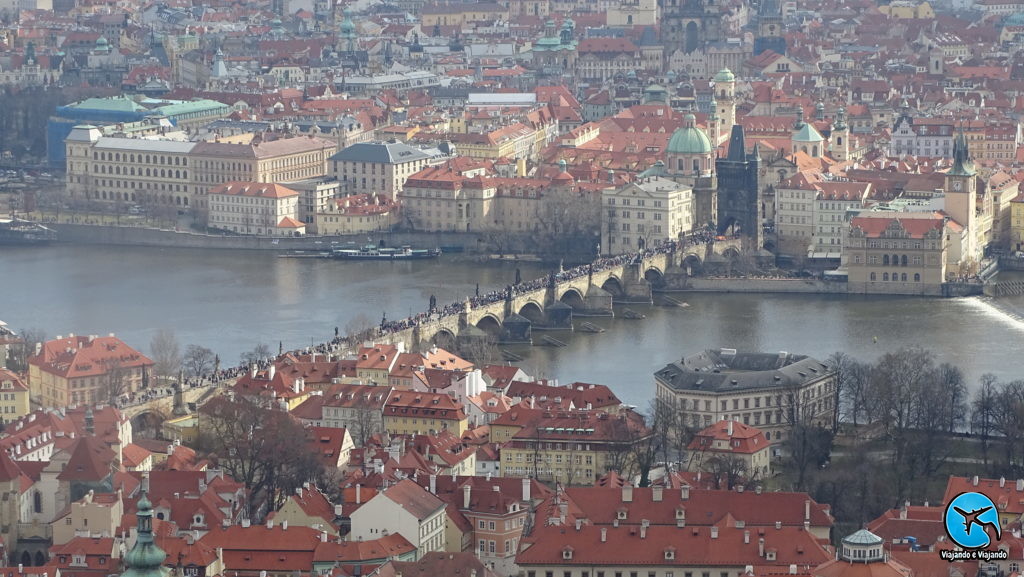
<point x="14" y="397"/>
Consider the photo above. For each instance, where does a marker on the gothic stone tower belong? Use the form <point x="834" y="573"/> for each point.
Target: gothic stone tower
<point x="688" y="24"/>
<point x="738" y="201"/>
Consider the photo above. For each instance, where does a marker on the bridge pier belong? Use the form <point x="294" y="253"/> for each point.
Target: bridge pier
<point x="558" y="315"/>
<point x="598" y="303"/>
<point x="637" y="289"/>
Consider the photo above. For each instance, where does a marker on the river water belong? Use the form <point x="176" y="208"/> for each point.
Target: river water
<point x="231" y="300"/>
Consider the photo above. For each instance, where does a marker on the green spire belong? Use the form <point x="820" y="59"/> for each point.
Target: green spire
<point x="146" y="558"/>
<point x="962" y="163"/>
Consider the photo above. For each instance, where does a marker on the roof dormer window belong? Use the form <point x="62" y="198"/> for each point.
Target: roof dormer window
<point x="567" y="553"/>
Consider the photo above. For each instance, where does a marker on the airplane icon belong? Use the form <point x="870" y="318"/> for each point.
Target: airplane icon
<point x="971" y="518"/>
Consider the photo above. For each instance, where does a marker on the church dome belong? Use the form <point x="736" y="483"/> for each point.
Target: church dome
<point x="807" y="133"/>
<point x="102" y="42"/>
<point x="689" y="139"/>
<point x="725" y="75"/>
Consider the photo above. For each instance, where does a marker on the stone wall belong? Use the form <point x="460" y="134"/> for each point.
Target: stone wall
<point x="741" y="285"/>
<point x="138" y="236"/>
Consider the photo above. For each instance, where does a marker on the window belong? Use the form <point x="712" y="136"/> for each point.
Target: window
<point x="917" y="277"/>
<point x="885" y="276"/>
<point x="873" y="276"/>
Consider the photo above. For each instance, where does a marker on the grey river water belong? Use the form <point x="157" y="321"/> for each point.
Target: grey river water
<point x="231" y="300"/>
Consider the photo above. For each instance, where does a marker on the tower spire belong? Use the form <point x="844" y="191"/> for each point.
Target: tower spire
<point x="737" y="144"/>
<point x="962" y="163"/>
<point x="146" y="558"/>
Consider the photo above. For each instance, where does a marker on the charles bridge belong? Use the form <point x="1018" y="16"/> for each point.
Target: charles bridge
<point x="551" y="303"/>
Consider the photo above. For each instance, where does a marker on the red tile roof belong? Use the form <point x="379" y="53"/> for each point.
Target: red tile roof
<point x="915" y="226"/>
<point x="742" y="439"/>
<point x="703" y="507"/>
<point x="671" y="546"/>
<point x="414" y="499"/>
<point x="260" y="189"/>
<point x="83" y="356"/>
<point x="91" y="460"/>
<point x="1009" y="497"/>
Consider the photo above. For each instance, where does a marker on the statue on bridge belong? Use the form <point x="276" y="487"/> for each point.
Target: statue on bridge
<point x="433" y="304"/>
<point x="478" y="290"/>
<point x="383" y="320"/>
<point x="551" y="279"/>
<point x="519" y="276"/>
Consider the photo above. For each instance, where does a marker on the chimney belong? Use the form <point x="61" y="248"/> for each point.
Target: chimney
<point x="252" y="371"/>
<point x="746" y="537"/>
<point x="433" y="484"/>
<point x="903" y="511"/>
<point x="684" y="493"/>
<point x="807" y="509"/>
<point x="1020" y="485"/>
<point x="974" y="481"/>
<point x="643" y="531"/>
<point x="656" y="494"/>
<point x="466" y="489"/>
<point x="323" y="536"/>
<point x="714" y="532"/>
<point x="792" y="569"/>
<point x="579" y="524"/>
<point x="526" y="489"/>
<point x="627" y="493"/>
<point x="729" y="429"/>
<point x="778" y="524"/>
<point x="757" y="490"/>
<point x="271" y="372"/>
<point x="604" y="534"/>
<point x="338" y="510"/>
<point x="760" y="546"/>
<point x="284" y="525"/>
<point x="270" y="523"/>
<point x="359" y="494"/>
<point x="246" y="523"/>
<point x="1002" y="482"/>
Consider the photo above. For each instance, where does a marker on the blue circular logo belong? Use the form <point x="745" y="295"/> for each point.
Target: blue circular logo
<point x="968" y="518"/>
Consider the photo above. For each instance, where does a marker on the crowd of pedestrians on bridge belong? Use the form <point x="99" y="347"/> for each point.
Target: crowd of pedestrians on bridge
<point x="704" y="236"/>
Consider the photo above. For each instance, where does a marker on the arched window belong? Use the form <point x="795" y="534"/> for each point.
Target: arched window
<point x="885" y="259"/>
<point x="839" y="140"/>
<point x="37" y="502"/>
<point x="681" y="165"/>
<point x="917" y="277"/>
<point x="804" y="148"/>
<point x="903" y="277"/>
<point x="696" y="165"/>
<point x="873" y="276"/>
<point x="895" y="260"/>
<point x="903" y="260"/>
<point x="885" y="276"/>
<point x="814" y="151"/>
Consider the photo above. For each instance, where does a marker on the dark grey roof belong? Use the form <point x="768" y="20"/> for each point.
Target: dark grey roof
<point x="723" y="370"/>
<point x="382" y="152"/>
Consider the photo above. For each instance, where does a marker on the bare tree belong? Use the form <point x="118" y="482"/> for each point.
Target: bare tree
<point x="840" y="363"/>
<point x="854" y="393"/>
<point x="265" y="449"/>
<point x="482" y="350"/>
<point x="115" y="382"/>
<point x="166" y="353"/>
<point x="358" y="329"/>
<point x="728" y="468"/>
<point x="198" y="360"/>
<point x="256" y="355"/>
<point x="366" y="423"/>
<point x="20" y="353"/>
<point x="983" y="412"/>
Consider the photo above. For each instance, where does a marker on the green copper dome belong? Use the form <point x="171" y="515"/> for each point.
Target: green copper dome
<point x="145" y="558"/>
<point x="689" y="139"/>
<point x="725" y="75"/>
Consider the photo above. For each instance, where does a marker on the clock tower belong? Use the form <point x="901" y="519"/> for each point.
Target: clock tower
<point x="961" y="193"/>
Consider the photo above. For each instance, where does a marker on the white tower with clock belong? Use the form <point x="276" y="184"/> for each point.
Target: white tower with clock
<point x="961" y="194"/>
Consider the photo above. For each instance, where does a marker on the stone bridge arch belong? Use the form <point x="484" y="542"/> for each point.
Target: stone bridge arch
<point x="490" y="324"/>
<point x="692" y="263"/>
<point x="654" y="276"/>
<point x="614" y="286"/>
<point x="574" y="298"/>
<point x="532" y="311"/>
<point x="148" y="422"/>
<point x="444" y="339"/>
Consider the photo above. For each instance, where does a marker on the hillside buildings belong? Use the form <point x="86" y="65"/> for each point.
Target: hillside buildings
<point x="769" y="391"/>
<point x="86" y="369"/>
